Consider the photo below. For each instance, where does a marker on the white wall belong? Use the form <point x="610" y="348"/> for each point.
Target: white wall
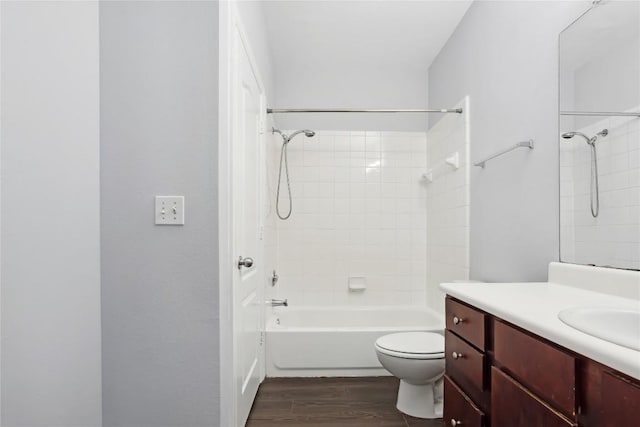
<point x="159" y="112"/>
<point x="504" y="55"/>
<point x="447" y="204"/>
<point x="359" y="210"/>
<point x="50" y="215"/>
<point x="334" y="87"/>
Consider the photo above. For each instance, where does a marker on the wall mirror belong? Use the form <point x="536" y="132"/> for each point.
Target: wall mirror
<point x="599" y="85"/>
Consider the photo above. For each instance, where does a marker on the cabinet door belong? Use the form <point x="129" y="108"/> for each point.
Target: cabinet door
<point x="545" y="369"/>
<point x="458" y="408"/>
<point x="620" y="401"/>
<point x="465" y="365"/>
<point x="512" y="405"/>
<point x="467" y="322"/>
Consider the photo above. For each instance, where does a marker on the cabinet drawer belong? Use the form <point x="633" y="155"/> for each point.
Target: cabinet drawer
<point x="547" y="371"/>
<point x="467" y="322"/>
<point x="620" y="401"/>
<point x="465" y="365"/>
<point x="458" y="408"/>
<point x="512" y="405"/>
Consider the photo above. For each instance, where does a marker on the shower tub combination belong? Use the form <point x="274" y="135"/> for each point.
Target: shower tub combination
<point x="337" y="341"/>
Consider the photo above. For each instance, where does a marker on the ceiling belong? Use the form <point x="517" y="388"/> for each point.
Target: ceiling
<point x="310" y="34"/>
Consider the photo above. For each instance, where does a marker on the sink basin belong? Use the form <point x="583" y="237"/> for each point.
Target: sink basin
<point x="618" y="326"/>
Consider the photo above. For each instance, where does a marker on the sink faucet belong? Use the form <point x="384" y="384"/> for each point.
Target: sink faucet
<point x="278" y="302"/>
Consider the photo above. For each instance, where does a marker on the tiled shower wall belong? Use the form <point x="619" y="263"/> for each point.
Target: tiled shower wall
<point x="359" y="211"/>
<point x="613" y="238"/>
<point x="447" y="205"/>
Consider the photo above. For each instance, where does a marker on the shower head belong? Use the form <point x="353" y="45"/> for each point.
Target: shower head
<point x="308" y="133"/>
<point x="569" y="135"/>
<point x="590" y="141"/>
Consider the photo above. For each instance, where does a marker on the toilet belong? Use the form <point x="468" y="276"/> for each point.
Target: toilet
<point x="417" y="359"/>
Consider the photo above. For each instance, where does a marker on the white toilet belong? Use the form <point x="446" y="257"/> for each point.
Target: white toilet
<point x="417" y="359"/>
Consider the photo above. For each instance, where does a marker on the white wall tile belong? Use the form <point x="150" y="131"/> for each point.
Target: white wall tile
<point x="447" y="208"/>
<point x="358" y="208"/>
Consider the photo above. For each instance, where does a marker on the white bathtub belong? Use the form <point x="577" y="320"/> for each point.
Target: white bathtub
<point x="337" y="341"/>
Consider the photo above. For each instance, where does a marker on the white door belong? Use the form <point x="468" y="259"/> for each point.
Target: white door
<point x="248" y="114"/>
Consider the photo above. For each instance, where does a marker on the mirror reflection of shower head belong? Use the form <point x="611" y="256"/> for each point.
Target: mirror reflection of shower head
<point x="283" y="159"/>
<point x="595" y="193"/>
<point x="590" y="141"/>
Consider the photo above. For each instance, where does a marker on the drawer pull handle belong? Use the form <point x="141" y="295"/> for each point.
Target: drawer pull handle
<point x="455" y="423"/>
<point x="456" y="355"/>
<point x="457" y="320"/>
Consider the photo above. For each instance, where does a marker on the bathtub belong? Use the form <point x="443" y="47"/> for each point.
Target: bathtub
<point x="337" y="341"/>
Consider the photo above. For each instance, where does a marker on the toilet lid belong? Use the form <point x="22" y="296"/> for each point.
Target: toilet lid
<point x="412" y="343"/>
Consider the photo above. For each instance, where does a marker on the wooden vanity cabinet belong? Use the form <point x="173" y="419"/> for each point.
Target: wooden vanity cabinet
<point x="499" y="375"/>
<point x="467" y="322"/>
<point x="467" y="364"/>
<point x="512" y="404"/>
<point x="546" y="370"/>
<point x="460" y="409"/>
<point x="621" y="401"/>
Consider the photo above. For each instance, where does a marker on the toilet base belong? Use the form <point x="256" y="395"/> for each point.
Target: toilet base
<point x="418" y="401"/>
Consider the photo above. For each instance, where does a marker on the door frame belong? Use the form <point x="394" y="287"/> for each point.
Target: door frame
<point x="229" y="25"/>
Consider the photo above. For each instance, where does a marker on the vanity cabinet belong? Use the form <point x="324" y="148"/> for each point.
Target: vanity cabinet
<point x="547" y="371"/>
<point x="621" y="402"/>
<point x="499" y="375"/>
<point x="466" y="365"/>
<point x="512" y="404"/>
<point x="460" y="409"/>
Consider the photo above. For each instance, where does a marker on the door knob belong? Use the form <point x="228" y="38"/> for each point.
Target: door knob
<point x="244" y="262"/>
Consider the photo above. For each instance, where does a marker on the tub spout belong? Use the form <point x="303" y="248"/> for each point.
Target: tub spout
<point x="278" y="302"/>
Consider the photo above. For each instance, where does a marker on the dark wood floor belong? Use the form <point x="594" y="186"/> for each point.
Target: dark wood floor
<point x="307" y="402"/>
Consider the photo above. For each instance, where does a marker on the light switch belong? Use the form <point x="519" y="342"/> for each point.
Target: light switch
<point x="169" y="210"/>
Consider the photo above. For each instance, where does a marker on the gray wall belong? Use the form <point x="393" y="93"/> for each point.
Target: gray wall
<point x="352" y="88"/>
<point x="505" y="56"/>
<point x="159" y="77"/>
<point x="50" y="215"/>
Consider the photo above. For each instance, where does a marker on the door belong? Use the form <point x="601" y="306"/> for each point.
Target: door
<point x="248" y="299"/>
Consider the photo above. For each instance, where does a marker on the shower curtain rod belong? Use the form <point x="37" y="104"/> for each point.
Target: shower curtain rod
<point x="359" y="110"/>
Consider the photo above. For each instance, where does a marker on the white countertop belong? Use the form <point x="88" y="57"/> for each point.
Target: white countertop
<point x="535" y="307"/>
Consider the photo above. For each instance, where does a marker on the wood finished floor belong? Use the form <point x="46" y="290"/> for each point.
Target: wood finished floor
<point x="308" y="402"/>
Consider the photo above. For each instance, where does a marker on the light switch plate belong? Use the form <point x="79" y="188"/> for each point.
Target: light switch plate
<point x="169" y="210"/>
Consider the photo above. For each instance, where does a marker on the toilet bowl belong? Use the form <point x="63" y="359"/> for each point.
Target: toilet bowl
<point x="417" y="359"/>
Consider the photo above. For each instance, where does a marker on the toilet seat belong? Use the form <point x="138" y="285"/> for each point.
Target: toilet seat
<point x="412" y="345"/>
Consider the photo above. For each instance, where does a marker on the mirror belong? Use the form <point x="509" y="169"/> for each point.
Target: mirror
<point x="599" y="85"/>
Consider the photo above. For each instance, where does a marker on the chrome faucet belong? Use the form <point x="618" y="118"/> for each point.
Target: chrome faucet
<point x="278" y="302"/>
